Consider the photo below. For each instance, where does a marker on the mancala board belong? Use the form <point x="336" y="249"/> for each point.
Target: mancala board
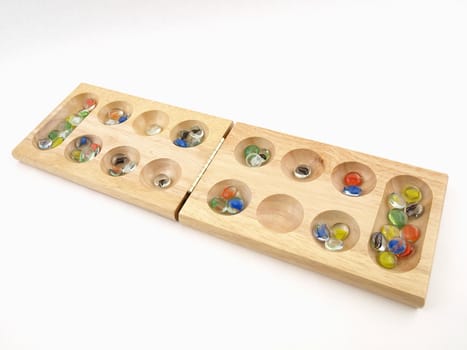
<point x="266" y="190"/>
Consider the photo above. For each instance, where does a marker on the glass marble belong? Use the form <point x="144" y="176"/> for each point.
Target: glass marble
<point x="397" y="245"/>
<point x="195" y="142"/>
<point x="115" y="171"/>
<point x="340" y="231"/>
<point x="411" y="233"/>
<point x="53" y="134"/>
<point x="90" y="104"/>
<point x="236" y="203"/>
<point x="196" y="132"/>
<point x="115" y="113"/>
<point x="88" y="154"/>
<point x="415" y="210"/>
<point x="218" y="204"/>
<point x="153" y="129"/>
<point x="110" y="122"/>
<point x="83" y="114"/>
<point x="250" y="149"/>
<point x="229" y="192"/>
<point x="378" y="242"/>
<point x="412" y="194"/>
<point x="254" y="160"/>
<point x="192" y="142"/>
<point x="396" y="201"/>
<point x="162" y="181"/>
<point x="353" y="178"/>
<point x="265" y="154"/>
<point x="95" y="147"/>
<point x="74" y="120"/>
<point x="183" y="134"/>
<point x="321" y="232"/>
<point x="120" y="159"/>
<point x="352" y="191"/>
<point x="302" y="171"/>
<point x="390" y="231"/>
<point x="128" y="168"/>
<point x="77" y="155"/>
<point x="397" y="217"/>
<point x="408" y="250"/>
<point x="44" y="144"/>
<point x="334" y="244"/>
<point x="65" y="133"/>
<point x="180" y="143"/>
<point x="82" y="141"/>
<point x="231" y="211"/>
<point x="387" y="260"/>
<point x="57" y="142"/>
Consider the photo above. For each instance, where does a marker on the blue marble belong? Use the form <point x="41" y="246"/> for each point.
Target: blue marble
<point x="180" y="143"/>
<point x="352" y="191"/>
<point x="123" y="118"/>
<point x="321" y="232"/>
<point x="236" y="203"/>
<point x="397" y="246"/>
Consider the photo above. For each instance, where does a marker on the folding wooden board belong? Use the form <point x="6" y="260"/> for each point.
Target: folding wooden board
<point x="280" y="209"/>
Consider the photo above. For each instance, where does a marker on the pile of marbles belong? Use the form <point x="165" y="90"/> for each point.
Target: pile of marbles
<point x="229" y="202"/>
<point x="396" y="239"/>
<point x="121" y="165"/>
<point x="85" y="149"/>
<point x="190" y="137"/>
<point x="352" y="184"/>
<point x="333" y="237"/>
<point x="116" y="116"/>
<point x="65" y="127"/>
<point x="255" y="156"/>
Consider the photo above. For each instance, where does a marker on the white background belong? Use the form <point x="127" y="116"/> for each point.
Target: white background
<point x="80" y="270"/>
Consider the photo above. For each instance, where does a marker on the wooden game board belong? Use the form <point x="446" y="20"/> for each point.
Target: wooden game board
<point x="280" y="209"/>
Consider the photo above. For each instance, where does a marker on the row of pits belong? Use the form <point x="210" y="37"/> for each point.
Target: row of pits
<point x="148" y="123"/>
<point x="282" y="214"/>
<point x="288" y="163"/>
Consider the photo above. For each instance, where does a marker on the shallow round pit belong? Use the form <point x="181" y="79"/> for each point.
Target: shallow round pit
<point x="127" y="151"/>
<point x="302" y="158"/>
<point x="280" y="213"/>
<point x="242" y="188"/>
<point x="151" y="123"/>
<point x="90" y="150"/>
<point x="188" y="125"/>
<point x="332" y="217"/>
<point x="163" y="166"/>
<point x="368" y="176"/>
<point x="123" y="106"/>
<point x="262" y="143"/>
